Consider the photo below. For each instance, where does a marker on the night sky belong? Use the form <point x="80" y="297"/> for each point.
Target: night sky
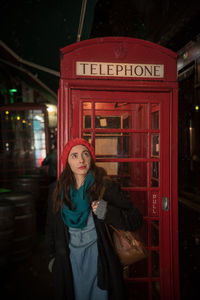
<point x="36" y="29"/>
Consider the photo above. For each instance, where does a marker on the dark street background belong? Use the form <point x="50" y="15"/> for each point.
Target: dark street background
<point x="36" y="30"/>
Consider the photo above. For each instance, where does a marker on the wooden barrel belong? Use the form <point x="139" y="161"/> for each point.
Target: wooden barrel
<point x="27" y="184"/>
<point x="6" y="230"/>
<point x="24" y="224"/>
<point x="41" y="204"/>
<point x="37" y="184"/>
<point x="3" y="190"/>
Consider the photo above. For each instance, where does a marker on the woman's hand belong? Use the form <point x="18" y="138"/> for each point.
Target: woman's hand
<point x="94" y="206"/>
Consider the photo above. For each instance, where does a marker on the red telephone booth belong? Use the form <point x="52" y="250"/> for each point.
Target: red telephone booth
<point x="121" y="95"/>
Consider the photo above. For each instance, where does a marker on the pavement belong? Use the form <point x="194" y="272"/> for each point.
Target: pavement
<point x="28" y="279"/>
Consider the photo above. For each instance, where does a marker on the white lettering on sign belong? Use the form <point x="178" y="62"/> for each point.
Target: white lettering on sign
<point x="119" y="69"/>
<point x="154" y="204"/>
<point x="155" y="199"/>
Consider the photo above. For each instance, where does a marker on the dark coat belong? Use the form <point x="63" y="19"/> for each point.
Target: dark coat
<point x="121" y="214"/>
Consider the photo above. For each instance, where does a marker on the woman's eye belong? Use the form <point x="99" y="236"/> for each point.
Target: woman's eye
<point x="74" y="156"/>
<point x="86" y="154"/>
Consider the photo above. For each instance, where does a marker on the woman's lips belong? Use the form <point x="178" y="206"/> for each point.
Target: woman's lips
<point x="82" y="167"/>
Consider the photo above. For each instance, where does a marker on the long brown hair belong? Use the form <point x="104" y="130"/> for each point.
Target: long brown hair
<point x="67" y="178"/>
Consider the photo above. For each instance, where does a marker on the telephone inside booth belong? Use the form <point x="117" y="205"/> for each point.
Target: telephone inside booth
<point x="131" y="120"/>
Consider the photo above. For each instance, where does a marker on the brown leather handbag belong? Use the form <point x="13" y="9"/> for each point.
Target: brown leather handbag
<point x="127" y="244"/>
<point x="129" y="248"/>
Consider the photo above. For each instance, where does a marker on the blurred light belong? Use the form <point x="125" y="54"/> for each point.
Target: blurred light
<point x="38" y="118"/>
<point x="52" y="115"/>
<point x="29" y="124"/>
<point x="13" y="90"/>
<point x="197" y="107"/>
<point x="7" y="112"/>
<point x="18" y="118"/>
<point x="185" y="55"/>
<point x="24" y="121"/>
<point x="7" y="146"/>
<point x="50" y="108"/>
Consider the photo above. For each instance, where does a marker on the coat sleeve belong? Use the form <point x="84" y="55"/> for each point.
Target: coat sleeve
<point x="120" y="212"/>
<point x="50" y="226"/>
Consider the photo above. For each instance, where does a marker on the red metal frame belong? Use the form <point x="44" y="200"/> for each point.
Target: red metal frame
<point x="78" y="99"/>
<point x="75" y="89"/>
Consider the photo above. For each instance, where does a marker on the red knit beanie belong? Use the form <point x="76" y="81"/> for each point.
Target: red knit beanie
<point x="75" y="142"/>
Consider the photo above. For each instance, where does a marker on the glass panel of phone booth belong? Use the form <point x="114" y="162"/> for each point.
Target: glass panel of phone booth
<point x="121" y="115"/>
<point x="87" y="113"/>
<point x="127" y="145"/>
<point x="121" y="144"/>
<point x="155" y="116"/>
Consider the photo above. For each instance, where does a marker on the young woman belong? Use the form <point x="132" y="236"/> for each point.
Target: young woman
<point x="83" y="262"/>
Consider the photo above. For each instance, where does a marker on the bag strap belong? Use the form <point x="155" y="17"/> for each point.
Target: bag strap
<point x="101" y="193"/>
<point x="119" y="233"/>
<point x="106" y="225"/>
<point x="109" y="235"/>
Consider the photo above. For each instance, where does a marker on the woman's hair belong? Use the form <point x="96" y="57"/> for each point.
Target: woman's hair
<point x="67" y="178"/>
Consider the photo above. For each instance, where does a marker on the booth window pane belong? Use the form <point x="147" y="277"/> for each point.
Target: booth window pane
<point x="155" y="145"/>
<point x="155" y="264"/>
<point x="106" y="145"/>
<point x="155" y="116"/>
<point x="156" y="290"/>
<point x="133" y="174"/>
<point x="116" y="115"/>
<point x="87" y="137"/>
<point x="139" y="269"/>
<point x="107" y="116"/>
<point x="87" y="113"/>
<point x="110" y="167"/>
<point x="155" y="233"/>
<point x="113" y="122"/>
<point x="126" y="145"/>
<point x="155" y="174"/>
<point x="139" y="199"/>
<point x="102" y="122"/>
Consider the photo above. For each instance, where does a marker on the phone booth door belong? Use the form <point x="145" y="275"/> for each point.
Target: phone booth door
<point x="131" y="135"/>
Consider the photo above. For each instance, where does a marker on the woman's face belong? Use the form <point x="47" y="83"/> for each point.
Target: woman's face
<point x="79" y="160"/>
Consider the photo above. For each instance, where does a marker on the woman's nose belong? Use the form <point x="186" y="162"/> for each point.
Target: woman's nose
<point x="81" y="158"/>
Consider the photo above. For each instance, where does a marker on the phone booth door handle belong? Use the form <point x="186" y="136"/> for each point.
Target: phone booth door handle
<point x="165" y="203"/>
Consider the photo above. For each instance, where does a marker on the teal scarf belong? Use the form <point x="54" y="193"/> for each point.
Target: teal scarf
<point x="77" y="218"/>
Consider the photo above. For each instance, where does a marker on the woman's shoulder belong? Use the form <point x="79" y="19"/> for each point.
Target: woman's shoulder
<point x="115" y="195"/>
<point x="111" y="184"/>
